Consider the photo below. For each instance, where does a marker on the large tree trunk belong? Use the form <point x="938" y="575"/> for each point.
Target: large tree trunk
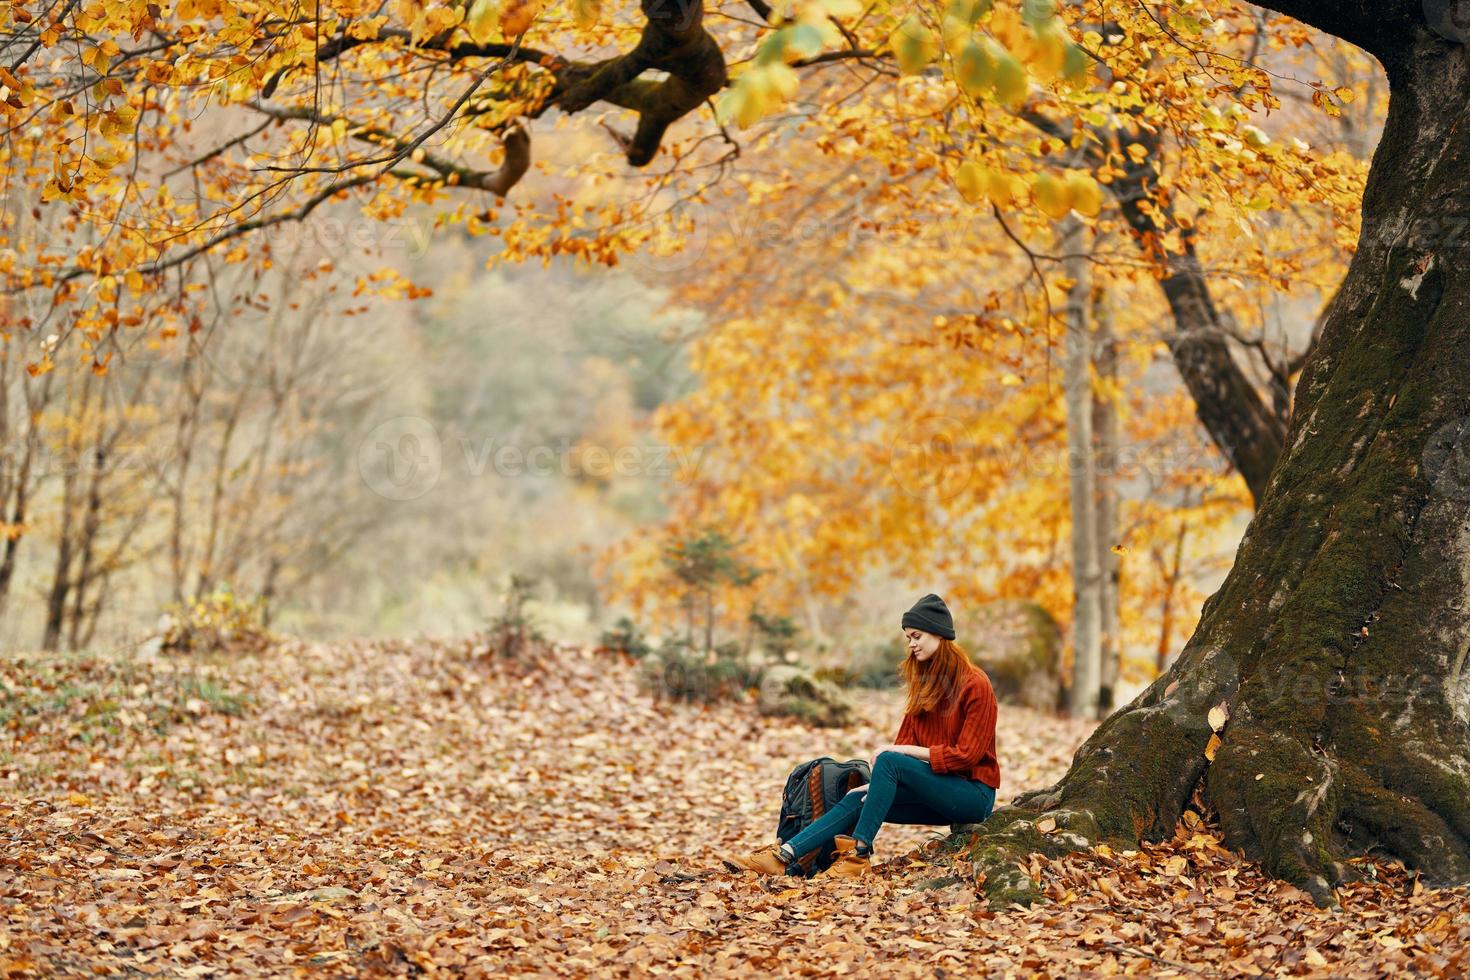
<point x="1339" y="640"/>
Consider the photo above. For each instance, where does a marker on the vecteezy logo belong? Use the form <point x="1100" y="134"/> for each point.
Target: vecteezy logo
<point x="932" y="457"/>
<point x="401" y="458"/>
<point x="1446" y="460"/>
<point x="1449" y="19"/>
<point x="677" y="238"/>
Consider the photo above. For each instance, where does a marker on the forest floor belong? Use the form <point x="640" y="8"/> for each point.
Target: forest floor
<point x="414" y="807"/>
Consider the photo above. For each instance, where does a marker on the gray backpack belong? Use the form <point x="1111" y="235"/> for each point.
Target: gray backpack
<point x="812" y="789"/>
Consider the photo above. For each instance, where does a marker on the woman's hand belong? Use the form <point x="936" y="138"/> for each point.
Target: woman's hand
<point x="917" y="751"/>
<point x="887" y="748"/>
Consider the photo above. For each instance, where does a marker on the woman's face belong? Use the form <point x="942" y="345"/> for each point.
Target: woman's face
<point x="921" y="645"/>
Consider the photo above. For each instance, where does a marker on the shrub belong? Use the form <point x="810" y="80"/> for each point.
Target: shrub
<point x="513" y="631"/>
<point x="796" y="693"/>
<point x="220" y="622"/>
<point x="86" y="695"/>
<point x="678" y="671"/>
<point x="776" y="634"/>
<point x="702" y="564"/>
<point x="624" y="637"/>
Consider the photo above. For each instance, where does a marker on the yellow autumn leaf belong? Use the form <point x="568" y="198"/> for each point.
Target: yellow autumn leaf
<point x="971" y="180"/>
<point x="955" y="34"/>
<point x="586" y="13"/>
<point x="783" y="81"/>
<point x="517" y="15"/>
<point x="1255" y="137"/>
<point x="483" y="20"/>
<point x="1052" y="195"/>
<point x="1005" y="189"/>
<point x="1050" y="49"/>
<point x="759" y="91"/>
<point x="1211" y="747"/>
<point x="1086" y="194"/>
<point x="53" y="190"/>
<point x="737" y="104"/>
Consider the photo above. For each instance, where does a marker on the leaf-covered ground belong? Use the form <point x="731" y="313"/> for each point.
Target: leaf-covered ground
<point x="415" y="807"/>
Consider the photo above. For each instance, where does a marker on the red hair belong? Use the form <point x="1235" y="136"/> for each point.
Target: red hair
<point x="936" y="680"/>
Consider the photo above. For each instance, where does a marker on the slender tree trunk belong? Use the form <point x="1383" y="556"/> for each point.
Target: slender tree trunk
<point x="1339" y="640"/>
<point x="20" y="484"/>
<point x="1239" y="421"/>
<point x="269" y="583"/>
<point x="185" y="433"/>
<point x="1086" y="577"/>
<point x="18" y="499"/>
<point x="1170" y="572"/>
<point x="61" y="575"/>
<point x="1107" y="426"/>
<point x="87" y="543"/>
<point x="1237" y="418"/>
<point x="709" y="622"/>
<point x="815" y="629"/>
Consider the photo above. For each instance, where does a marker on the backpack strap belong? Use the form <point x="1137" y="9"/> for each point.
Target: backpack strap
<point x="814" y="791"/>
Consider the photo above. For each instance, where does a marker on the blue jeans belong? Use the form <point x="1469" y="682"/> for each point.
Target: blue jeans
<point x="902" y="789"/>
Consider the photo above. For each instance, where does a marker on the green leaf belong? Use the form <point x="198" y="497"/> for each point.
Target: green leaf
<point x="1035" y="12"/>
<point x="805" y="41"/>
<point x="1075" y="63"/>
<point x="968" y="11"/>
<point x="974" y="70"/>
<point x="913" y="44"/>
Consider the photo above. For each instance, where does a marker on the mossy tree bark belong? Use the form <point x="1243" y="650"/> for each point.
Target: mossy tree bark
<point x="1338" y="642"/>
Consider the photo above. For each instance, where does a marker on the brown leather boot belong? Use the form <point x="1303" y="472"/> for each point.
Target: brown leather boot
<point x="766" y="861"/>
<point x="847" y="862"/>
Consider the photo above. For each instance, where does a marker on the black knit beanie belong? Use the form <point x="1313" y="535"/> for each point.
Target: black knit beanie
<point x="931" y="615"/>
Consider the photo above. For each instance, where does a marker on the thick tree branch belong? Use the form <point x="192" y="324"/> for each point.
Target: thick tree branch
<point x="674" y="40"/>
<point x="1383" y="28"/>
<point x="343" y="43"/>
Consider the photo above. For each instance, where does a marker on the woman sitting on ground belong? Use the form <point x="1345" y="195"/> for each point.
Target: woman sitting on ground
<point x="942" y="770"/>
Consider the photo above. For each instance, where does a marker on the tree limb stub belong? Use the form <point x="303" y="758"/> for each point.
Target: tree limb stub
<point x="673" y="40"/>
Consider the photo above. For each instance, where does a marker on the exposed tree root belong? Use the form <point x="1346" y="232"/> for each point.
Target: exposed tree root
<point x="1298" y="809"/>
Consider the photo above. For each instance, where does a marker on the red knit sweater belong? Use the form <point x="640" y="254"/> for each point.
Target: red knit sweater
<point x="959" y="733"/>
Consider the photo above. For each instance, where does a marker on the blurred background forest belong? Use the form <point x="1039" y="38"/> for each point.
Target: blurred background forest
<point x="801" y="403"/>
<point x="257" y="456"/>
